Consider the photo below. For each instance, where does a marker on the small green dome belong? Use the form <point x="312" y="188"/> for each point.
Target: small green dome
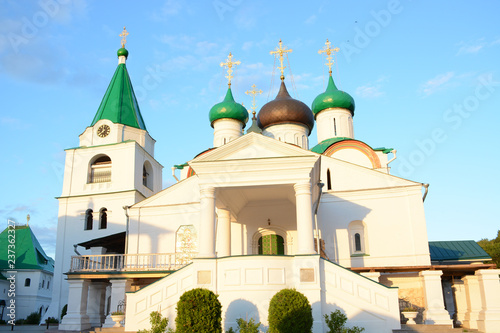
<point x="228" y="108"/>
<point x="122" y="52"/>
<point x="332" y="98"/>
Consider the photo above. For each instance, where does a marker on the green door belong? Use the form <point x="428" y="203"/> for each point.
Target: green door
<point x="271" y="244"/>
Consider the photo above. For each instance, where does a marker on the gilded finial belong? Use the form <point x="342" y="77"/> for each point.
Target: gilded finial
<point x="280" y="51"/>
<point x="254" y="92"/>
<point x="124" y="35"/>
<point x="229" y="64"/>
<point x="328" y="51"/>
<point x="28" y="219"/>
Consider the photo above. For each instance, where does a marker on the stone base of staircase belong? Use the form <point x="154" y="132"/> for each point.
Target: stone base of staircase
<point x="432" y="329"/>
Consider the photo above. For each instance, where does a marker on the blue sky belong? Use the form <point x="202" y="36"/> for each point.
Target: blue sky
<point x="424" y="75"/>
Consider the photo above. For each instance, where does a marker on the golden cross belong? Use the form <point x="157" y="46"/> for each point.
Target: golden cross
<point x="124" y="35"/>
<point x="328" y="51"/>
<point x="280" y="51"/>
<point x="254" y="92"/>
<point x="229" y="64"/>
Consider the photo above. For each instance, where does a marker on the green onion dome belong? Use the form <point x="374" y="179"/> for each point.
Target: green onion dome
<point x="332" y="98"/>
<point x="285" y="110"/>
<point x="228" y="108"/>
<point x="122" y="52"/>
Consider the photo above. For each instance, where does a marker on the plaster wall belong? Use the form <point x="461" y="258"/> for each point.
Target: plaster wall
<point x="245" y="286"/>
<point x="334" y="122"/>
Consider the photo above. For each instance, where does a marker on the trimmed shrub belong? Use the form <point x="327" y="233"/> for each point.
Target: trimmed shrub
<point x="198" y="310"/>
<point x="290" y="312"/>
<point x="336" y="323"/>
<point x="33" y="318"/>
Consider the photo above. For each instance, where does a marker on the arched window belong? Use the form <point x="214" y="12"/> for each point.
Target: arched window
<point x="328" y="180"/>
<point x="334" y="127"/>
<point x="100" y="170"/>
<point x="358" y="241"/>
<point x="27" y="282"/>
<point x="103" y="218"/>
<point x="48" y="284"/>
<point x="89" y="219"/>
<point x="43" y="284"/>
<point x="147" y="175"/>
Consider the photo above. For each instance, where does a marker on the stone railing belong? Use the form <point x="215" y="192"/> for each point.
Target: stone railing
<point x="129" y="262"/>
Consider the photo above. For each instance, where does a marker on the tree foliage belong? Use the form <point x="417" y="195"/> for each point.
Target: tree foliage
<point x="336" y="323"/>
<point x="492" y="247"/>
<point x="158" y="323"/>
<point x="198" y="310"/>
<point x="290" y="312"/>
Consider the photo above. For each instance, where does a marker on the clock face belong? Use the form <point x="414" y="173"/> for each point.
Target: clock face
<point x="103" y="131"/>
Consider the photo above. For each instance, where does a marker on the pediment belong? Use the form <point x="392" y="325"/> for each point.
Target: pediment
<point x="253" y="146"/>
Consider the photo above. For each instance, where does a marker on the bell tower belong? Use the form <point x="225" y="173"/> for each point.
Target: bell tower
<point x="112" y="168"/>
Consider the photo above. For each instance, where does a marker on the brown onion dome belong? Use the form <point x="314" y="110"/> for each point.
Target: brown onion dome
<point x="285" y="110"/>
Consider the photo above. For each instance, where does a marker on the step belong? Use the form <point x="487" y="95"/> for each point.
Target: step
<point x="432" y="329"/>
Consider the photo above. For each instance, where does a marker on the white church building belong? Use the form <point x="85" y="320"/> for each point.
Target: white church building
<point x="259" y="212"/>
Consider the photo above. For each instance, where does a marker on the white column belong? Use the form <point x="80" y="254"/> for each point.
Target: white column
<point x="76" y="319"/>
<point x="118" y="289"/>
<point x="305" y="229"/>
<point x="207" y="223"/>
<point x="473" y="296"/>
<point x="489" y="285"/>
<point x="223" y="232"/>
<point x="96" y="303"/>
<point x="435" y="312"/>
<point x="460" y="300"/>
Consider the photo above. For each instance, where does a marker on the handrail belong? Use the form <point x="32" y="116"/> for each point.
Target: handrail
<point x="130" y="262"/>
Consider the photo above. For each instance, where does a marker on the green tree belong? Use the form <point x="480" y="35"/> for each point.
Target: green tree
<point x="198" y="310"/>
<point x="492" y="247"/>
<point x="290" y="312"/>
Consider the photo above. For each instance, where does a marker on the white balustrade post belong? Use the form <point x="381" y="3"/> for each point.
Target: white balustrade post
<point x="473" y="298"/>
<point x="96" y="302"/>
<point x="207" y="223"/>
<point x="76" y="319"/>
<point x="489" y="286"/>
<point x="305" y="230"/>
<point x="118" y="289"/>
<point x="434" y="303"/>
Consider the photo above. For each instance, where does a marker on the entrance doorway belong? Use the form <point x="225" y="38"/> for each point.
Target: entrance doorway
<point x="271" y="244"/>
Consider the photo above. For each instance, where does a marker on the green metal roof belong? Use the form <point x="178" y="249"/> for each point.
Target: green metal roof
<point x="384" y="150"/>
<point x="323" y="145"/>
<point x="28" y="251"/>
<point x="457" y="250"/>
<point x="332" y="98"/>
<point x="119" y="103"/>
<point x="228" y="108"/>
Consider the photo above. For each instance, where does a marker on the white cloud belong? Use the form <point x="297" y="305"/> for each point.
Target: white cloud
<point x="471" y="47"/>
<point x="247" y="46"/>
<point x="371" y="89"/>
<point x="437" y="83"/>
<point x="311" y="19"/>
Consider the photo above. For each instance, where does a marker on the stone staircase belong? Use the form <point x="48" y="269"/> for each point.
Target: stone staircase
<point x="432" y="329"/>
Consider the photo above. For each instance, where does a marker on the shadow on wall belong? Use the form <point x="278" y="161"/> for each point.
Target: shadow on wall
<point x="241" y="308"/>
